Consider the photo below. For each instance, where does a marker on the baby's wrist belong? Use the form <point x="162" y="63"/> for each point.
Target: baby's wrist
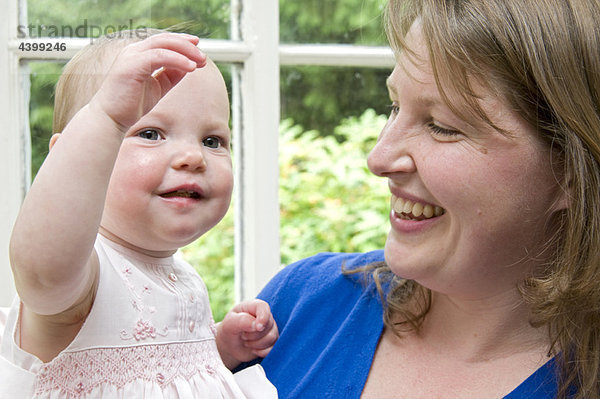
<point x="103" y="117"/>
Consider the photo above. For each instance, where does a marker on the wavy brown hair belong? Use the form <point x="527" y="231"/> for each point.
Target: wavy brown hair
<point x="543" y="56"/>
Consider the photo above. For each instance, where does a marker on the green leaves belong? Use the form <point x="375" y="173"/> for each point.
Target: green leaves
<point x="329" y="200"/>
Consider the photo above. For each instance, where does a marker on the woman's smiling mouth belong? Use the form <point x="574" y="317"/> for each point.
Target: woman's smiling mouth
<point x="412" y="210"/>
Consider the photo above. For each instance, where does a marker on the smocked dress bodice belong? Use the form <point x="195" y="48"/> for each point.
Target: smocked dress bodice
<point x="149" y="334"/>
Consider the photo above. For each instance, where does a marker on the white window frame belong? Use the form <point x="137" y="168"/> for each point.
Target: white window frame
<point x="257" y="55"/>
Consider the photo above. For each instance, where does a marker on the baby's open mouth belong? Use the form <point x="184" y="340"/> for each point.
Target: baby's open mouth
<point x="181" y="194"/>
<point x="411" y="210"/>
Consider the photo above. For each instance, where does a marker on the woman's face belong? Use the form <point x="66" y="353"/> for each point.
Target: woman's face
<point x="470" y="205"/>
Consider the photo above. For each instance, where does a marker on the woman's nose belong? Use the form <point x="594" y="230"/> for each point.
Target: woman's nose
<point x="189" y="157"/>
<point x="391" y="154"/>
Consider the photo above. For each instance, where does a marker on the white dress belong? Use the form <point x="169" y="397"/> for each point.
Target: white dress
<point x="149" y="334"/>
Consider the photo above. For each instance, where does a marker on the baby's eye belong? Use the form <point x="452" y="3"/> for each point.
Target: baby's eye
<point x="212" y="142"/>
<point x="149" y="134"/>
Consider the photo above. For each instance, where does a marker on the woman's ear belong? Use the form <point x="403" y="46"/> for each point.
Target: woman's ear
<point x="53" y="139"/>
<point x="564" y="194"/>
<point x="563" y="200"/>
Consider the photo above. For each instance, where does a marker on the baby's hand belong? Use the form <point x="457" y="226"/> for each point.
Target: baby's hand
<point x="143" y="73"/>
<point x="248" y="331"/>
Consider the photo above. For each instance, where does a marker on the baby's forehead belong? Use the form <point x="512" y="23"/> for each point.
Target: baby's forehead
<point x="208" y="77"/>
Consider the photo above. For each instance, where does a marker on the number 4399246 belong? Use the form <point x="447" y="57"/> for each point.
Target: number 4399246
<point x="35" y="46"/>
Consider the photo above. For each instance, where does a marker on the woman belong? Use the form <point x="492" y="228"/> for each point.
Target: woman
<point x="489" y="282"/>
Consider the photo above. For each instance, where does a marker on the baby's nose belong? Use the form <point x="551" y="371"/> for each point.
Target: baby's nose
<point x="189" y="157"/>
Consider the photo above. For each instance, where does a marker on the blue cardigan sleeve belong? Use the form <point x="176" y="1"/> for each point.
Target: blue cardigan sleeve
<point x="329" y="326"/>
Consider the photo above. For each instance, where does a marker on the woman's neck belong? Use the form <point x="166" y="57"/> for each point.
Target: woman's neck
<point x="482" y="329"/>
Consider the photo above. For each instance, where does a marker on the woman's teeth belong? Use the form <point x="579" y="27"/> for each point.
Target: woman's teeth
<point x="407" y="209"/>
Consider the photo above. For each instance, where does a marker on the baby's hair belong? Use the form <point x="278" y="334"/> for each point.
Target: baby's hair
<point x="83" y="75"/>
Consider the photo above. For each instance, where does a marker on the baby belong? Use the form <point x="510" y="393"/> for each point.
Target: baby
<point x="142" y="167"/>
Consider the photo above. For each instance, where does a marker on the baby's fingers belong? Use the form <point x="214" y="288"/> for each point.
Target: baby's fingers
<point x="170" y="53"/>
<point x="259" y="309"/>
<point x="262" y="346"/>
<point x="173" y="50"/>
<point x="261" y="339"/>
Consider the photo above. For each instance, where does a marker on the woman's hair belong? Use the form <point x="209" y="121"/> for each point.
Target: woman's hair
<point x="83" y="75"/>
<point x="543" y="57"/>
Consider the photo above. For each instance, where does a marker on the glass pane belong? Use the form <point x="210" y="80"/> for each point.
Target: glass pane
<point x="332" y="21"/>
<point x="93" y="18"/>
<point x="211" y="255"/>
<point x="318" y="97"/>
<point x="330" y="201"/>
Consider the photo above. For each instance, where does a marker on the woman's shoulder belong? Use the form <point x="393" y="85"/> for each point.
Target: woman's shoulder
<point x="306" y="283"/>
<point x="327" y="260"/>
<point x="326" y="266"/>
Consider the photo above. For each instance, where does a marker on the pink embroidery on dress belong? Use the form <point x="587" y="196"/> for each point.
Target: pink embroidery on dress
<point x="78" y="373"/>
<point x="143" y="329"/>
<point x="136" y="305"/>
<point x="210" y="369"/>
<point x="79" y="388"/>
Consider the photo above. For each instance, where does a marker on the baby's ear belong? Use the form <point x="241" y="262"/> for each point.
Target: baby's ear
<point x="53" y="139"/>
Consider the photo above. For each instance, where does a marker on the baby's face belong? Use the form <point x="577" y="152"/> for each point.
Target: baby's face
<point x="173" y="178"/>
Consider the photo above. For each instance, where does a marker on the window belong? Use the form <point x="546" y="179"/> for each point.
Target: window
<point x="247" y="41"/>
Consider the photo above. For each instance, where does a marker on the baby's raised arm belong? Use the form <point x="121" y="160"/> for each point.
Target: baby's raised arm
<point x="51" y="246"/>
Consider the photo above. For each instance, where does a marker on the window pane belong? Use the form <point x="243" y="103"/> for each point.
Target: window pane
<point x="332" y="21"/>
<point x="92" y="18"/>
<point x="319" y="97"/>
<point x="329" y="199"/>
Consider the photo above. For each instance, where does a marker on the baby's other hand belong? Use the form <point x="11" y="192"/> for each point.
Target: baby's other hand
<point x="248" y="331"/>
<point x="143" y="73"/>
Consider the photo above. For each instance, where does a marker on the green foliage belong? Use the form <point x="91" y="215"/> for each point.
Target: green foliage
<point x="43" y="79"/>
<point x="318" y="98"/>
<point x="205" y="18"/>
<point x="332" y="21"/>
<point x="212" y="256"/>
<point x="329" y="202"/>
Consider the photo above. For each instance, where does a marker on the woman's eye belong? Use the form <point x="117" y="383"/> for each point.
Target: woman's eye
<point x="394" y="108"/>
<point x="212" y="142"/>
<point x="442" y="131"/>
<point x="149" y="134"/>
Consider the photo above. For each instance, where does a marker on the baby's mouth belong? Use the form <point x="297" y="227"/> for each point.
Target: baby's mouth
<point x="411" y="210"/>
<point x="181" y="194"/>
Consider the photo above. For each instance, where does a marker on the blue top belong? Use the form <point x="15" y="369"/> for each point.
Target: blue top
<point x="329" y="326"/>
